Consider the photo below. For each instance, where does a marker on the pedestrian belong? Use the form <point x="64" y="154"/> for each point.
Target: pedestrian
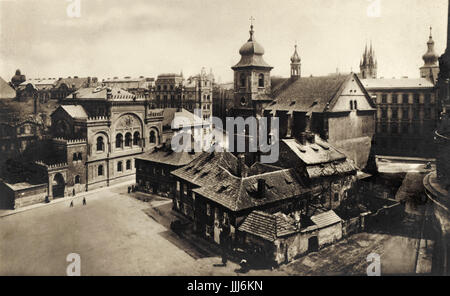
<point x="84" y="201"/>
<point x="244" y="265"/>
<point x="71" y="203"/>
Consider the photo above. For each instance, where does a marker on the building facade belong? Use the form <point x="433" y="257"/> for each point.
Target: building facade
<point x="407" y="109"/>
<point x="97" y="133"/>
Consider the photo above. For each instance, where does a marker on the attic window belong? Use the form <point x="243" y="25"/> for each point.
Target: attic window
<point x="271" y="104"/>
<point x="223" y="188"/>
<point x="292" y="103"/>
<point x="196" y="170"/>
<point x="325" y="147"/>
<point x="314" y="103"/>
<point x="204" y="174"/>
<point x="288" y="180"/>
<point x="188" y="168"/>
<point x="301" y="150"/>
<point x="315" y="148"/>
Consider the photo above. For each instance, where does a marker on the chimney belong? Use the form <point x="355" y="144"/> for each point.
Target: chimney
<point x="74" y="95"/>
<point x="311" y="138"/>
<point x="108" y="93"/>
<point x="261" y="187"/>
<point x="89" y="82"/>
<point x="302" y="138"/>
<point x="290" y="123"/>
<point x="241" y="166"/>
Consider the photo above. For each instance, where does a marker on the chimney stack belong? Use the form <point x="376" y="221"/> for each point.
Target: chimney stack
<point x="108" y="93"/>
<point x="261" y="187"/>
<point x="241" y="166"/>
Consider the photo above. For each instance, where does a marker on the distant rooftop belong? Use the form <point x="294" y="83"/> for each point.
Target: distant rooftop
<point x="394" y="83"/>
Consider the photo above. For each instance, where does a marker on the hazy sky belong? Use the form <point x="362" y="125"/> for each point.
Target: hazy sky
<point x="148" y="37"/>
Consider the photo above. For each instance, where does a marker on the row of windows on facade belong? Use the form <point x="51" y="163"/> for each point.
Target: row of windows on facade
<point x="100" y="169"/>
<point x="172" y="87"/>
<point x="405" y="113"/>
<point x="405" y="128"/>
<point x="129" y="140"/>
<point x="243" y="80"/>
<point x="153" y="171"/>
<point x="172" y="98"/>
<point x="404" y="99"/>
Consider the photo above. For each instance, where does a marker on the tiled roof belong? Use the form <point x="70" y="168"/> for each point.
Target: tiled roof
<point x="309" y="94"/>
<point x="77" y="82"/>
<point x="330" y="169"/>
<point x="117" y="94"/>
<point x="167" y="156"/>
<point x="402" y="83"/>
<point x="326" y="219"/>
<point x="268" y="226"/>
<point x="183" y="117"/>
<point x="45" y="83"/>
<point x="317" y="153"/>
<point x="215" y="174"/>
<point x="75" y="111"/>
<point x="6" y="91"/>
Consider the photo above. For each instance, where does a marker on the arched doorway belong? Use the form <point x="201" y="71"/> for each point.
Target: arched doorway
<point x="58" y="186"/>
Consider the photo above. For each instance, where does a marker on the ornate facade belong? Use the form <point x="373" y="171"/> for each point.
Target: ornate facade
<point x="97" y="132"/>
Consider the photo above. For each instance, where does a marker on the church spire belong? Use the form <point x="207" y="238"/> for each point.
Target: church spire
<point x="295" y="63"/>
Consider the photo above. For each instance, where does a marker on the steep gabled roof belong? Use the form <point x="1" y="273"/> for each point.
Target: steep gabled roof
<point x="305" y="94"/>
<point x="75" y="111"/>
<point x="6" y="91"/>
<point x="169" y="157"/>
<point x="268" y="226"/>
<point x="314" y="153"/>
<point x="100" y="93"/>
<point x="215" y="174"/>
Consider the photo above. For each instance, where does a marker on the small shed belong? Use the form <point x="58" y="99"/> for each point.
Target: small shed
<point x="330" y="227"/>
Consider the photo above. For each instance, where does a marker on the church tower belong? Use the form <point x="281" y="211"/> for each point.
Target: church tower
<point x="296" y="64"/>
<point x="430" y="70"/>
<point x="368" y="65"/>
<point x="252" y="84"/>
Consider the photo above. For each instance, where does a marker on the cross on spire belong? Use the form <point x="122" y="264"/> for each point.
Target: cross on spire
<point x="251" y="20"/>
<point x="251" y="28"/>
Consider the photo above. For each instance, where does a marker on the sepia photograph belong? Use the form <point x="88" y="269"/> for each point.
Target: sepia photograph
<point x="210" y="139"/>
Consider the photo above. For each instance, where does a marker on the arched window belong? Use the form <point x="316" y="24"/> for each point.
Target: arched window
<point x="80" y="156"/>
<point x="100" y="170"/>
<point x="356" y="105"/>
<point x="119" y="141"/>
<point x="100" y="144"/>
<point x="261" y="80"/>
<point x="152" y="137"/>
<point x="119" y="166"/>
<point x="242" y="80"/>
<point x="77" y="179"/>
<point x="351" y="105"/>
<point x="128" y="165"/>
<point x="128" y="139"/>
<point x="75" y="157"/>
<point x="136" y="138"/>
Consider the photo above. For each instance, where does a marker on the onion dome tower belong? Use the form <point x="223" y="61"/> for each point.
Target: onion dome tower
<point x="430" y="69"/>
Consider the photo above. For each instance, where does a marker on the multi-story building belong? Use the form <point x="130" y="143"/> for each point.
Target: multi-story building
<point x="195" y="92"/>
<point x="97" y="133"/>
<point x="336" y="107"/>
<point x="139" y="86"/>
<point x="407" y="110"/>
